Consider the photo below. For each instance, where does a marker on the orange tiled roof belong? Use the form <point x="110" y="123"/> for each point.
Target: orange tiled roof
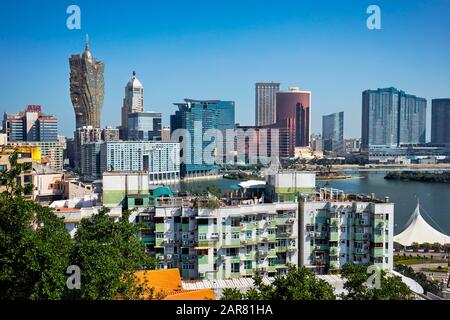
<point x="166" y="283"/>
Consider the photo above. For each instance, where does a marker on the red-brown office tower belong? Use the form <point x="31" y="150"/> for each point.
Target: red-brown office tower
<point x="293" y="114"/>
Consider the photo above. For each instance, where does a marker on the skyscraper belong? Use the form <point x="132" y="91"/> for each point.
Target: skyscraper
<point x="86" y="88"/>
<point x="293" y="113"/>
<point x="391" y="117"/>
<point x="265" y="99"/>
<point x="197" y="117"/>
<point x="132" y="102"/>
<point x="110" y="134"/>
<point x="30" y="125"/>
<point x="144" y="126"/>
<point x="440" y="121"/>
<point x="333" y="132"/>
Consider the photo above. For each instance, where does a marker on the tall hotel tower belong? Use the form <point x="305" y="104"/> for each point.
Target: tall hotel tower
<point x="293" y="114"/>
<point x="86" y="92"/>
<point x="132" y="102"/>
<point x="265" y="99"/>
<point x="86" y="88"/>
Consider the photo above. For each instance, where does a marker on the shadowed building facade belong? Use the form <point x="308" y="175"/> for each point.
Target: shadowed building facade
<point x="333" y="132"/>
<point x="440" y="119"/>
<point x="86" y="88"/>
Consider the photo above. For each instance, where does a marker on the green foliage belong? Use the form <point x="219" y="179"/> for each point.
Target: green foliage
<point x="356" y="276"/>
<point x="108" y="253"/>
<point x="443" y="177"/>
<point x="298" y="284"/>
<point x="34" y="245"/>
<point x="427" y="285"/>
<point x="231" y="294"/>
<point x="36" y="249"/>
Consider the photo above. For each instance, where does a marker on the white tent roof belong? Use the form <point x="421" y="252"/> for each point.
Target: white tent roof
<point x="418" y="230"/>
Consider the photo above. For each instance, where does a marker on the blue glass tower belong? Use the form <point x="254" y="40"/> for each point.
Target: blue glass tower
<point x="197" y="117"/>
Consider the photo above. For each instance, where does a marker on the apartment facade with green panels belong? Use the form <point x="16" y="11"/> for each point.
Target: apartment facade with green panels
<point x="234" y="241"/>
<point x="333" y="233"/>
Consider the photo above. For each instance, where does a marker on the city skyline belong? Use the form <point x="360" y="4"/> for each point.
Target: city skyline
<point x="166" y="56"/>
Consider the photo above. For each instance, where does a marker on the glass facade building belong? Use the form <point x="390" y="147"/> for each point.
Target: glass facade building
<point x="30" y="125"/>
<point x="390" y="117"/>
<point x="333" y="132"/>
<point x="293" y="114"/>
<point x="144" y="126"/>
<point x="197" y="117"/>
<point x="440" y="121"/>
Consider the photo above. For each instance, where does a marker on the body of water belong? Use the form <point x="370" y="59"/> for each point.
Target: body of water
<point x="434" y="197"/>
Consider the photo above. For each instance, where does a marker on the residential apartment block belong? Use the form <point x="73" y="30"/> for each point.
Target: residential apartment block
<point x="335" y="230"/>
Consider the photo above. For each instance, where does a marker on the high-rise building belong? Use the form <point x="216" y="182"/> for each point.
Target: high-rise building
<point x="86" y="88"/>
<point x="132" y="102"/>
<point x="84" y="135"/>
<point x="333" y="132"/>
<point x="390" y="117"/>
<point x="316" y="142"/>
<point x="161" y="160"/>
<point x="50" y="152"/>
<point x="293" y="113"/>
<point x="90" y="160"/>
<point x="265" y="103"/>
<point x="144" y="126"/>
<point x="260" y="144"/>
<point x="440" y="121"/>
<point x="165" y="134"/>
<point x="110" y="134"/>
<point x="352" y="145"/>
<point x="197" y="118"/>
<point x="31" y="125"/>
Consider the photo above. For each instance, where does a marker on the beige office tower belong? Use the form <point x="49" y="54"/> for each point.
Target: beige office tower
<point x="265" y="107"/>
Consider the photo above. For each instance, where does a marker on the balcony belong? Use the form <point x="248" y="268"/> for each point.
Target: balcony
<point x="378" y="238"/>
<point x="271" y="269"/>
<point x="362" y="236"/>
<point x="378" y="252"/>
<point x="159" y="227"/>
<point x="280" y="249"/>
<point x="334" y="236"/>
<point x="334" y="251"/>
<point x="247" y="272"/>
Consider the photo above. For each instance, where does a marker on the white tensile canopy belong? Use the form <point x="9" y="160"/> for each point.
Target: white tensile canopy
<point x="419" y="231"/>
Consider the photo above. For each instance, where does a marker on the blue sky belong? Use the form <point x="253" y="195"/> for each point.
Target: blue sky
<point x="219" y="49"/>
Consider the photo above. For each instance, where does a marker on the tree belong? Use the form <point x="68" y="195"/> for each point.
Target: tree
<point x="231" y="294"/>
<point x="34" y="245"/>
<point x="356" y="284"/>
<point x="108" y="253"/>
<point x="297" y="284"/>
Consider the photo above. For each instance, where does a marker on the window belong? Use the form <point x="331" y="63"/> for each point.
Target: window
<point x="138" y="202"/>
<point x="247" y="265"/>
<point x="235" y="267"/>
<point x="2" y="167"/>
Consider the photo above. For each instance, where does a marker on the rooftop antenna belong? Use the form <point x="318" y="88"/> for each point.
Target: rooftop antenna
<point x="87" y="41"/>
